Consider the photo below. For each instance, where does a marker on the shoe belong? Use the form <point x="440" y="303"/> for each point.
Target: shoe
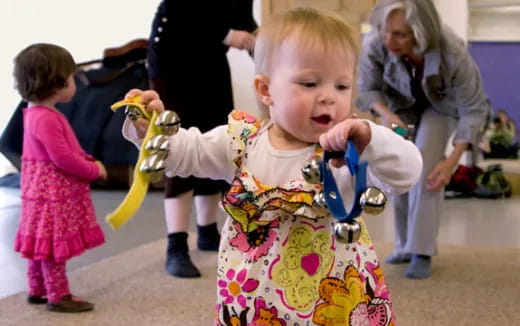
<point x="208" y="238"/>
<point x="179" y="264"/>
<point x="36" y="299"/>
<point x="70" y="304"/>
<point x="398" y="259"/>
<point x="208" y="245"/>
<point x="420" y="267"/>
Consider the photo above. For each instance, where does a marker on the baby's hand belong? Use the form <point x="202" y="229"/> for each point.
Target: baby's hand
<point x="151" y="102"/>
<point x="335" y="140"/>
<point x="149" y="98"/>
<point x="102" y="171"/>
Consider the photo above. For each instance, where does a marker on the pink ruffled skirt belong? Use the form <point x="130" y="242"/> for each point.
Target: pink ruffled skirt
<point x="58" y="219"/>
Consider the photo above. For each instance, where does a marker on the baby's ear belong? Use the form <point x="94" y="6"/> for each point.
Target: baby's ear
<point x="262" y="90"/>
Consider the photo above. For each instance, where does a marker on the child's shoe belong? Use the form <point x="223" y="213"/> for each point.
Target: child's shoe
<point x="179" y="264"/>
<point x="71" y="304"/>
<point x="208" y="238"/>
<point x="36" y="299"/>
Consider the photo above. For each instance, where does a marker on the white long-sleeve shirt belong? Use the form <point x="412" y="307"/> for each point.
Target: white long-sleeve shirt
<point x="394" y="164"/>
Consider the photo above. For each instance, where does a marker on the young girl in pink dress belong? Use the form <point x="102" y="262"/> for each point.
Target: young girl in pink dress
<point x="57" y="220"/>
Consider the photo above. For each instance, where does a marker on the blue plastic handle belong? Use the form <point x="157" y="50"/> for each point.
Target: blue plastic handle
<point x="358" y="169"/>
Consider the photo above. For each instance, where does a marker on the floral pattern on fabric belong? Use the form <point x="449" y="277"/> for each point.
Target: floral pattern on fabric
<point x="235" y="286"/>
<point x="305" y="260"/>
<point x="279" y="263"/>
<point x="345" y="301"/>
<point x="241" y="135"/>
<point x="61" y="224"/>
<point x="266" y="316"/>
<point x="255" y="244"/>
<point x="253" y="204"/>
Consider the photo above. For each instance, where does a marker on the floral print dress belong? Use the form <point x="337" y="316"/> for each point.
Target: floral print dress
<point x="279" y="263"/>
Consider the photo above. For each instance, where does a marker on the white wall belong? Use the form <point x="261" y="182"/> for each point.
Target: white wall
<point x="455" y="14"/>
<point x="86" y="28"/>
<point x="495" y="24"/>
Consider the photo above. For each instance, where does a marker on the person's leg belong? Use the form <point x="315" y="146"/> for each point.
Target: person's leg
<point x="178" y="205"/>
<point x="208" y="193"/>
<point x="36" y="290"/>
<point x="400" y="202"/>
<point x="207" y="207"/>
<point x="57" y="287"/>
<point x="433" y="134"/>
<point x="399" y="255"/>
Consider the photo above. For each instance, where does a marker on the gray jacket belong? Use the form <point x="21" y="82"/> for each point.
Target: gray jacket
<point x="451" y="82"/>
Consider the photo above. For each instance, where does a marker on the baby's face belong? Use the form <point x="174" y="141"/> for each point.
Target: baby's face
<point x="310" y="92"/>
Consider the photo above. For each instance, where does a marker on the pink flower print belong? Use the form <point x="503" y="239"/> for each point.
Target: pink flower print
<point x="257" y="243"/>
<point x="236" y="284"/>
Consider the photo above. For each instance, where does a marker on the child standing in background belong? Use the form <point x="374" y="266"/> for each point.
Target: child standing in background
<point x="57" y="220"/>
<point x="278" y="262"/>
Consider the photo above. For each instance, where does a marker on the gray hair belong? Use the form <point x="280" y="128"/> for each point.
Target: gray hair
<point x="421" y="15"/>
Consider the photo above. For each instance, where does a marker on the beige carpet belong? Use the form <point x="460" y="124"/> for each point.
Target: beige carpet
<point x="470" y="286"/>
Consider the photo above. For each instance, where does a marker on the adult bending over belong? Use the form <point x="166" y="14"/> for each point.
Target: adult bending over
<point x="416" y="71"/>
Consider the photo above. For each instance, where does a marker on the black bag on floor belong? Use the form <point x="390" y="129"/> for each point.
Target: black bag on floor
<point x="493" y="184"/>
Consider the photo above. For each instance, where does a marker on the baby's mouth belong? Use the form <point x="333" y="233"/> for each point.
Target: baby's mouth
<point x="322" y="119"/>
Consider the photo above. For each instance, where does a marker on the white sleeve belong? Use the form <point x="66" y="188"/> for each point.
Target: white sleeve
<point x="204" y="155"/>
<point x="130" y="134"/>
<point x="394" y="163"/>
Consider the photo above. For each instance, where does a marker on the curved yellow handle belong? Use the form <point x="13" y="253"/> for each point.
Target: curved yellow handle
<point x="141" y="180"/>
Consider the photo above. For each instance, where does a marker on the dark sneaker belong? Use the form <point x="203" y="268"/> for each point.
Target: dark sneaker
<point x="36" y="299"/>
<point x="179" y="264"/>
<point x="71" y="304"/>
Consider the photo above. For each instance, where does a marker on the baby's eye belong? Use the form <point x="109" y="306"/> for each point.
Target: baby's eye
<point x="343" y="87"/>
<point x="308" y="84"/>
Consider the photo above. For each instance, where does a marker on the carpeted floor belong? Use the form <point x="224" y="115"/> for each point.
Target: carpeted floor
<point x="470" y="286"/>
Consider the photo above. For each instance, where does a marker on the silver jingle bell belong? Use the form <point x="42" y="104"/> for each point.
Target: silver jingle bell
<point x="347" y="232"/>
<point x="169" y="122"/>
<point x="154" y="167"/>
<point x="152" y="164"/>
<point x="159" y="145"/>
<point x="133" y="113"/>
<point x="311" y="170"/>
<point x="372" y="201"/>
<point x="320" y="203"/>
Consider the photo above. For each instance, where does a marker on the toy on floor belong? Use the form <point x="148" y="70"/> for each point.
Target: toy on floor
<point x="371" y="200"/>
<point x="152" y="155"/>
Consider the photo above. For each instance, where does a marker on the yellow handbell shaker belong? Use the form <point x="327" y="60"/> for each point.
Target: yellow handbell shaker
<point x="151" y="161"/>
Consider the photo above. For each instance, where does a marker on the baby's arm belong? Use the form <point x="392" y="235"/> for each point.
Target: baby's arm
<point x="394" y="163"/>
<point x="204" y="155"/>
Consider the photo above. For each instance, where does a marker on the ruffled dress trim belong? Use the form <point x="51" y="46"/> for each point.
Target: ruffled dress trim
<point x="58" y="219"/>
<point x="60" y="250"/>
<point x="253" y="204"/>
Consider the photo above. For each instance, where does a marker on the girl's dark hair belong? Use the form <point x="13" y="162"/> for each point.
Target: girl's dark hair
<point x="41" y="69"/>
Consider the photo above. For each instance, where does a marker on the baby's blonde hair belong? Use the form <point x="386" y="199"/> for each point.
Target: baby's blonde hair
<point x="309" y="28"/>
